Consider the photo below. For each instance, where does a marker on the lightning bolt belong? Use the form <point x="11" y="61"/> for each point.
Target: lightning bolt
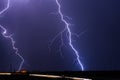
<point x="69" y="35"/>
<point x="4" y="33"/>
<point x="66" y="29"/>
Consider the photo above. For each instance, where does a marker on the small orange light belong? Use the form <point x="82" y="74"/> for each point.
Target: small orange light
<point x="23" y="71"/>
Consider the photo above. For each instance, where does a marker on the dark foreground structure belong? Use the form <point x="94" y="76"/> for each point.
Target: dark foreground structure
<point x="101" y="75"/>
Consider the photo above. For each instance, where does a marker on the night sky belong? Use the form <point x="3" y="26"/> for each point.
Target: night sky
<point x="34" y="23"/>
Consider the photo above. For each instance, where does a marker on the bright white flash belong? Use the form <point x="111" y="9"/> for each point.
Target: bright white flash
<point x="67" y="28"/>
